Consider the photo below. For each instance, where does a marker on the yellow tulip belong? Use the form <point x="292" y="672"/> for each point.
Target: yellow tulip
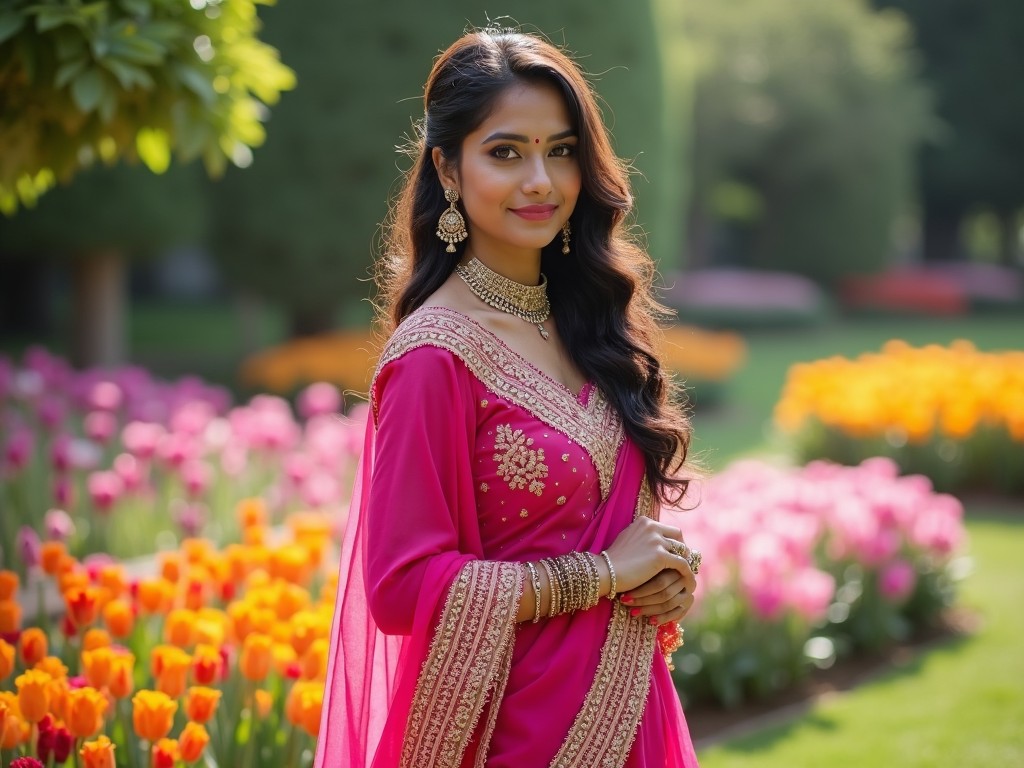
<point x="98" y="753"/>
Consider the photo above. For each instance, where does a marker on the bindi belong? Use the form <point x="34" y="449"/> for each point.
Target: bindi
<point x="536" y="141"/>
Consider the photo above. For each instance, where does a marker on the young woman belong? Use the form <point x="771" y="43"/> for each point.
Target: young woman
<point x="504" y="575"/>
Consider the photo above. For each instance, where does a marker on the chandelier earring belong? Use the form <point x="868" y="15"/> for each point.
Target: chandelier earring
<point x="566" y="231"/>
<point x="451" y="227"/>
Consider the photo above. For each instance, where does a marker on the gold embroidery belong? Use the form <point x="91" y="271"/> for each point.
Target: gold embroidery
<point x="483" y="403"/>
<point x="484" y="487"/>
<point x="565" y="457"/>
<point x="523" y="513"/>
<point x="596" y="427"/>
<point x="606" y="724"/>
<point x="517" y="463"/>
<point x="467" y="665"/>
<point x="560" y="500"/>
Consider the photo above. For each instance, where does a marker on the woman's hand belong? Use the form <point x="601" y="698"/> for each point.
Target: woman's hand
<point x="667" y="597"/>
<point x="645" y="549"/>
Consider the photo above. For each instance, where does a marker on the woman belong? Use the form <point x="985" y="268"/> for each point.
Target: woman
<point x="520" y="441"/>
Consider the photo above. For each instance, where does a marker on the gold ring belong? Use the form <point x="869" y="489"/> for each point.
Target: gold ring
<point x="694" y="560"/>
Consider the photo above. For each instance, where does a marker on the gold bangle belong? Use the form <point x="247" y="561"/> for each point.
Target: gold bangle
<point x="535" y="581"/>
<point x="556" y="597"/>
<point x="611" y="572"/>
<point x="595" y="580"/>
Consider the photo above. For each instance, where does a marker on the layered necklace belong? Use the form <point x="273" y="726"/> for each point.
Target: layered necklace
<point x="527" y="302"/>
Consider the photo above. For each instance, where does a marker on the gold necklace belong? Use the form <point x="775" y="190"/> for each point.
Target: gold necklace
<point x="527" y="302"/>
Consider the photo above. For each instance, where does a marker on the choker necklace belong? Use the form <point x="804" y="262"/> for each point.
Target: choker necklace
<point x="527" y="302"/>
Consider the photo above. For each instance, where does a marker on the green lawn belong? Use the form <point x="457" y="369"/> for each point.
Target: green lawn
<point x="960" y="704"/>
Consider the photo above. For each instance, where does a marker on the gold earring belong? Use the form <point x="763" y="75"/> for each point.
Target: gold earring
<point x="566" y="231"/>
<point x="452" y="227"/>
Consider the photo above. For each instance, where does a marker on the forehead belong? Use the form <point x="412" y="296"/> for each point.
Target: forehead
<point x="528" y="108"/>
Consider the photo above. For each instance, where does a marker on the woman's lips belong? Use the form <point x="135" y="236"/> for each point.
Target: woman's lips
<point x="535" y="212"/>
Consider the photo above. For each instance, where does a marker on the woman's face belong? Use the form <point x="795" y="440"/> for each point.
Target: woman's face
<point x="519" y="177"/>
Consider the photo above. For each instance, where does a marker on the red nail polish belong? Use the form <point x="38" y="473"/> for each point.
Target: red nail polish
<point x="635" y="612"/>
<point x="626" y="599"/>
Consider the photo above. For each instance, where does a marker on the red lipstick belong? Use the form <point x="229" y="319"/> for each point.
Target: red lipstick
<point x="535" y="212"/>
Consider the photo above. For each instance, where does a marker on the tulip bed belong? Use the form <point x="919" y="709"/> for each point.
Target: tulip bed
<point x="118" y="462"/>
<point x="803" y="566"/>
<point x="214" y="649"/>
<point x="951" y="412"/>
<point x="219" y="656"/>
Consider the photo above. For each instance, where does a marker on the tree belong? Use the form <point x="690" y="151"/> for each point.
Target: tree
<point x="806" y="120"/>
<point x="299" y="226"/>
<point x="87" y="83"/>
<point x="973" y="57"/>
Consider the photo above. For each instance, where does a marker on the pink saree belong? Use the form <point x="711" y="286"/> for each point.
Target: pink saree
<point x="474" y="462"/>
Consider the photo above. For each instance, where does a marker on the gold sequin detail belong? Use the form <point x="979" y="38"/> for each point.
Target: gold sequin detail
<point x="483" y="403"/>
<point x="485" y="487"/>
<point x="596" y="427"/>
<point x="561" y="500"/>
<point x="523" y="513"/>
<point x="519" y="465"/>
<point x="565" y="457"/>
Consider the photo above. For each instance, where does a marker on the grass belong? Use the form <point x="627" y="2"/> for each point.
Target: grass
<point x="960" y="704"/>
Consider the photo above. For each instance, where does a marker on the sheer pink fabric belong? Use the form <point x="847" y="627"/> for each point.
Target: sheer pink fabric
<point x="455" y="472"/>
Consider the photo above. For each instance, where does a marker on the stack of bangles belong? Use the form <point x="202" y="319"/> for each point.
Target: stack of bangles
<point x="575" y="582"/>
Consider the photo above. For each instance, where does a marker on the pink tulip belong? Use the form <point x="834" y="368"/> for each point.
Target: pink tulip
<point x="60" y="453"/>
<point x="51" y="412"/>
<point x="58" y="525"/>
<point x="319" y="398"/>
<point x="896" y="581"/>
<point x="767" y="600"/>
<point x="320" y="490"/>
<point x="100" y="426"/>
<point x="28" y="546"/>
<point x="197" y="476"/>
<point x="131" y="471"/>
<point x="105" y="396"/>
<point x="811" y="593"/>
<point x="190" y="517"/>
<point x="63" y="491"/>
<point x="105" y="488"/>
<point x="19" y="449"/>
<point x="142" y="439"/>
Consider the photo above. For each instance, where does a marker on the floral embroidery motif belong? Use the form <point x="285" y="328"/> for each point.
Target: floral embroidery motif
<point x="595" y="426"/>
<point x="518" y="464"/>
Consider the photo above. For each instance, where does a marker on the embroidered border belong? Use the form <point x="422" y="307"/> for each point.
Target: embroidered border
<point x="468" y="664"/>
<point x="509" y="375"/>
<point x="606" y="725"/>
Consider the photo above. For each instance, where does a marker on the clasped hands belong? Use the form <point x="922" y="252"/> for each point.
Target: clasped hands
<point x="654" y="579"/>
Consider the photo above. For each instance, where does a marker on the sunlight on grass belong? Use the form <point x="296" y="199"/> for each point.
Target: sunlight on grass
<point x="960" y="704"/>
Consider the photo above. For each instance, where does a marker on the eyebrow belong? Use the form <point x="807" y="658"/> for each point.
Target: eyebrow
<point x="525" y="139"/>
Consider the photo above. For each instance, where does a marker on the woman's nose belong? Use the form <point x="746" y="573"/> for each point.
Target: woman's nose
<point x="538" y="179"/>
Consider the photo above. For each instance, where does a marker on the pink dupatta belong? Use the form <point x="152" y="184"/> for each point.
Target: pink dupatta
<point x="424" y="630"/>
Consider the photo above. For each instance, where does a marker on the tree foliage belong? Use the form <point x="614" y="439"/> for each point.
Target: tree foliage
<point x="300" y="226"/>
<point x="808" y="115"/>
<point x="128" y="79"/>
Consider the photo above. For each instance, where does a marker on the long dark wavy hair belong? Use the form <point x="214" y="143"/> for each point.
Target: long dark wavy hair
<point x="600" y="292"/>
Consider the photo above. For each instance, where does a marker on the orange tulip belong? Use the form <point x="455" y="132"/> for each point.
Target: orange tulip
<point x="251" y="511"/>
<point x="82" y="605"/>
<point x="97" y="665"/>
<point x="112" y="577"/>
<point x="58" y="688"/>
<point x="98" y="753"/>
<point x="34" y="646"/>
<point x="85" y="709"/>
<point x="314" y="663"/>
<point x="264" y="702"/>
<point x="14" y="730"/>
<point x="206" y="664"/>
<point x="6" y="658"/>
<point x="211" y="627"/>
<point x="256" y="657"/>
<point x="155" y="595"/>
<point x="52" y="666"/>
<point x="153" y="714"/>
<point x="170" y="566"/>
<point x="122" y="675"/>
<point x="304" y="704"/>
<point x="119" y="617"/>
<point x="284" y="657"/>
<point x="180" y="628"/>
<point x="96" y="638"/>
<point x="201" y="703"/>
<point x="33" y="694"/>
<point x="171" y="668"/>
<point x="69" y="576"/>
<point x="193" y="741"/>
<point x="9" y="582"/>
<point x="10" y="617"/>
<point x="51" y="554"/>
<point x="165" y="753"/>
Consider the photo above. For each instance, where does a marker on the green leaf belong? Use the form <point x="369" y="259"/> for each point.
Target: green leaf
<point x="196" y="81"/>
<point x="11" y="23"/>
<point x="138" y="50"/>
<point x="50" y="18"/>
<point x="128" y="75"/>
<point x="69" y="71"/>
<point x="154" y="149"/>
<point x="138" y="7"/>
<point x="87" y="89"/>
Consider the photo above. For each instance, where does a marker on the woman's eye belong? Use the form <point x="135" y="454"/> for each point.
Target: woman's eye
<point x="504" y="153"/>
<point x="564" y="150"/>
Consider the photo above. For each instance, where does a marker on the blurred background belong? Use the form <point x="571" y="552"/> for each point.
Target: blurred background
<point x="192" y="195"/>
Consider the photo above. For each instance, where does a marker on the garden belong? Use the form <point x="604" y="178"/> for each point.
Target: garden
<point x="169" y="551"/>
